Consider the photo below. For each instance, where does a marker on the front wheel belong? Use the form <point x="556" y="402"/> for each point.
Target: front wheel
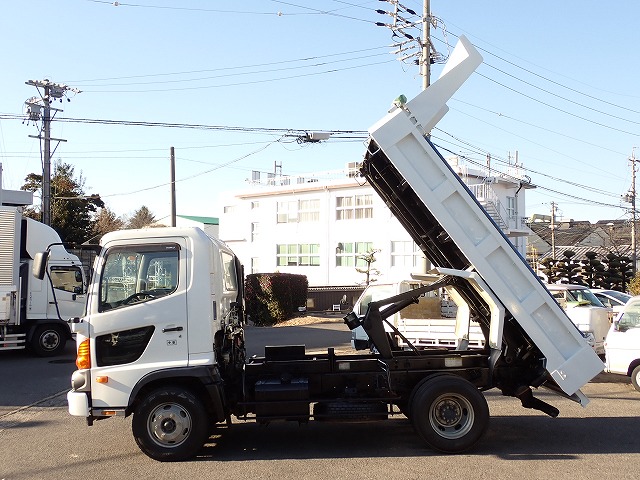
<point x="635" y="378"/>
<point x="48" y="340"/>
<point x="449" y="413"/>
<point x="170" y="425"/>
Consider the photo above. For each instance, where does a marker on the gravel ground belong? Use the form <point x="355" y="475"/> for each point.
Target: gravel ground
<point x="312" y="318"/>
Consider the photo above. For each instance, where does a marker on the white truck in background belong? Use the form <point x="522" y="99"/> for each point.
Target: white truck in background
<point x="33" y="312"/>
<point x="431" y="322"/>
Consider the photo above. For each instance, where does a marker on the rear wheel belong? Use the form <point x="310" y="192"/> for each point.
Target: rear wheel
<point x="635" y="378"/>
<point x="48" y="340"/>
<point x="170" y="425"/>
<point x="449" y="413"/>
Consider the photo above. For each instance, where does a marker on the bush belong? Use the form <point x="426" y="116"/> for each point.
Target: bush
<point x="271" y="298"/>
<point x="634" y="285"/>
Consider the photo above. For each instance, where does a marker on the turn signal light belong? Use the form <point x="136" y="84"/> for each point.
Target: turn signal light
<point x="102" y="379"/>
<point x="83" y="360"/>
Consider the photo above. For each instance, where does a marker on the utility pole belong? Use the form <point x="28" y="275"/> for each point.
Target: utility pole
<point x="414" y="47"/>
<point x="633" y="213"/>
<point x="173" y="187"/>
<point x="37" y="108"/>
<point x="426" y="44"/>
<point x="553" y="230"/>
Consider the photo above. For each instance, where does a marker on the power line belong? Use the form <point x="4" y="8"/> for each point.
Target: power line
<point x="239" y="67"/>
<point x="250" y="82"/>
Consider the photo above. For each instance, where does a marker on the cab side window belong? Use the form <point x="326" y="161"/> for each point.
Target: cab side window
<point x="67" y="278"/>
<point x="229" y="273"/>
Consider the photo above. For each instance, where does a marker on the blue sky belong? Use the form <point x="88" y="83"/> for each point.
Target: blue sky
<point x="558" y="86"/>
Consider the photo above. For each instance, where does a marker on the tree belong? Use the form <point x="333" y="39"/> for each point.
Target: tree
<point x="106" y="221"/>
<point x="71" y="208"/>
<point x="568" y="270"/>
<point x="592" y="270"/>
<point x="141" y="218"/>
<point x="368" y="258"/>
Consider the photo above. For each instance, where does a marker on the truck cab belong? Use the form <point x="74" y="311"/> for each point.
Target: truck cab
<point x="34" y="311"/>
<point x="153" y="305"/>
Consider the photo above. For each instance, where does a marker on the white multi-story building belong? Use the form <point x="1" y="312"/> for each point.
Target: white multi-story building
<point x="320" y="224"/>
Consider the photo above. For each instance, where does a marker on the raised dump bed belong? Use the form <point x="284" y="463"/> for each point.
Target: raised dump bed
<point x="454" y="231"/>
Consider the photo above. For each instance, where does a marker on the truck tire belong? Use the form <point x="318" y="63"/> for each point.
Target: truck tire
<point x="170" y="424"/>
<point x="405" y="407"/>
<point x="449" y="413"/>
<point x="48" y="340"/>
<point x="635" y="378"/>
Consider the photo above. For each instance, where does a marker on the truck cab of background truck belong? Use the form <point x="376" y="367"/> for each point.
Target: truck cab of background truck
<point x="154" y="312"/>
<point x="431" y="322"/>
<point x="34" y="312"/>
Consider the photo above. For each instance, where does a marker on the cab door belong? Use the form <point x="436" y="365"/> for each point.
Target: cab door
<point x="138" y="322"/>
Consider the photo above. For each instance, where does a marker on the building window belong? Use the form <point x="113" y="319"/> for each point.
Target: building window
<point x="255" y="231"/>
<point x="298" y="254"/>
<point x="255" y="265"/>
<point x="309" y="210"/>
<point x="230" y="209"/>
<point x="405" y="254"/>
<point x="511" y="207"/>
<point x="255" y="204"/>
<point x="347" y="253"/>
<point x="299" y="211"/>
<point x="356" y="207"/>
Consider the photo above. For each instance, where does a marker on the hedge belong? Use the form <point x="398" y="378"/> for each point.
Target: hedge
<point x="271" y="298"/>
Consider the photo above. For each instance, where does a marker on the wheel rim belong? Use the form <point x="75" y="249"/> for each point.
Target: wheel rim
<point x="169" y="425"/>
<point x="50" y="340"/>
<point x="451" y="416"/>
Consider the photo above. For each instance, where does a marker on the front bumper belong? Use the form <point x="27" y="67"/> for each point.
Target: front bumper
<point x="78" y="404"/>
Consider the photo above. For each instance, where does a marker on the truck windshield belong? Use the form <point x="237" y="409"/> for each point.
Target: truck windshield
<point x="135" y="274"/>
<point x="630" y="317"/>
<point x="583" y="297"/>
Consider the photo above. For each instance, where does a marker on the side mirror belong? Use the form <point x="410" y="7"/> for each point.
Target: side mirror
<point x="40" y="264"/>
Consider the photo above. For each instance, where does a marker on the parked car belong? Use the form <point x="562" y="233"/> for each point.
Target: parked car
<point x="612" y="299"/>
<point x="585" y="311"/>
<point x="622" y="346"/>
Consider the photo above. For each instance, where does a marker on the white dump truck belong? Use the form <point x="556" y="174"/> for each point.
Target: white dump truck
<point x="163" y="339"/>
<point x="34" y="312"/>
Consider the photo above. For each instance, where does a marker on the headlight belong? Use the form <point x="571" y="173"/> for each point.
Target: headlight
<point x="590" y="339"/>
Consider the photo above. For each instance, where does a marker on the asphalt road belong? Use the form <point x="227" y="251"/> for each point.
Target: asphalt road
<point x="39" y="440"/>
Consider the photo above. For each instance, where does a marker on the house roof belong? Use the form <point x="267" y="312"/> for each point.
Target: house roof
<point x="580" y="252"/>
<point x="205" y="220"/>
<point x="566" y="233"/>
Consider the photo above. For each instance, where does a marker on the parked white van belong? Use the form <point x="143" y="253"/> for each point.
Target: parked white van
<point x="623" y="343"/>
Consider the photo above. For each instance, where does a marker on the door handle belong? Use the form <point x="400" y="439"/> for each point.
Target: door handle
<point x="172" y="329"/>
